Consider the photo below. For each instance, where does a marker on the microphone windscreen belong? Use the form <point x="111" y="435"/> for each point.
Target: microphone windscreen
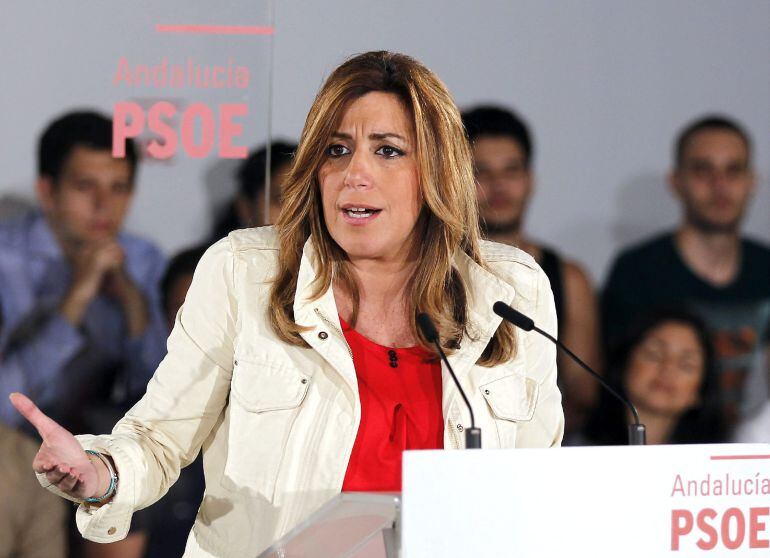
<point x="514" y="316"/>
<point x="426" y="326"/>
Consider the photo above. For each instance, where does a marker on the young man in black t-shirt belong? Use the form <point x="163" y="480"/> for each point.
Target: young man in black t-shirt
<point x="705" y="263"/>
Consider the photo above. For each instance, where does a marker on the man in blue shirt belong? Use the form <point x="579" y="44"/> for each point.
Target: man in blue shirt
<point x="81" y="330"/>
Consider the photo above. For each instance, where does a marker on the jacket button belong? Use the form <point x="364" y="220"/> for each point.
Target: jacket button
<point x="111" y="531"/>
<point x="460" y="427"/>
<point x="323" y="335"/>
<point x="486" y="391"/>
<point x="304" y="380"/>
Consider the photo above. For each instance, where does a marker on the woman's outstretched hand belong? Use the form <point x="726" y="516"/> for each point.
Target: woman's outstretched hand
<point x="65" y="464"/>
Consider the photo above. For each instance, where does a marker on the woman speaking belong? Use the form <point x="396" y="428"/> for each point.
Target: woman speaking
<point x="296" y="364"/>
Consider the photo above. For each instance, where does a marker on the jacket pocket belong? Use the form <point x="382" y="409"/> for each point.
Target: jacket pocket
<point x="266" y="398"/>
<point x="511" y="399"/>
<point x="260" y="387"/>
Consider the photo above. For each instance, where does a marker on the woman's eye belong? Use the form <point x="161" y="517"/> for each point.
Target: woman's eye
<point x="652" y="354"/>
<point x="689" y="366"/>
<point x="389" y="152"/>
<point x="337" y="150"/>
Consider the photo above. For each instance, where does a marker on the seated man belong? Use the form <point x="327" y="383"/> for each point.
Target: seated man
<point x="706" y="262"/>
<point x="79" y="298"/>
<point x="502" y="153"/>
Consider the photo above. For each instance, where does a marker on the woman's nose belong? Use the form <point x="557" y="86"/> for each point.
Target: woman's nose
<point x="668" y="365"/>
<point x="358" y="174"/>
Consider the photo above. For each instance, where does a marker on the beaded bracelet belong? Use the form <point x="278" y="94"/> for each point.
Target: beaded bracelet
<point x="113" y="479"/>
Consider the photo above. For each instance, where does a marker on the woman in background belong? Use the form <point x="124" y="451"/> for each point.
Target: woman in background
<point x="666" y="369"/>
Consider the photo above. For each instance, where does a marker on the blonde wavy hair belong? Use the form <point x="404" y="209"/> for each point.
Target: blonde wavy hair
<point x="448" y="221"/>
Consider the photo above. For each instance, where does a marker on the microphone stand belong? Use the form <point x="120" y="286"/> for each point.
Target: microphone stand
<point x="472" y="434"/>
<point x="636" y="432"/>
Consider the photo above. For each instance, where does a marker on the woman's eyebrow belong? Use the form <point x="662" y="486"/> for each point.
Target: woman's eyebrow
<point x="372" y="136"/>
<point x="386" y="135"/>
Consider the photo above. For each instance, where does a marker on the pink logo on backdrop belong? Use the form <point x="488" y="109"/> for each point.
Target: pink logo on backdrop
<point x="165" y="126"/>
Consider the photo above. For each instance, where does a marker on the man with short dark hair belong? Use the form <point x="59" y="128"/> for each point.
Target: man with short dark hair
<point x="706" y="262"/>
<point x="82" y="328"/>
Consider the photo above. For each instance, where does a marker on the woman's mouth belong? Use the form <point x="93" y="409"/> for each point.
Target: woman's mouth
<point x="360" y="212"/>
<point x="359" y="215"/>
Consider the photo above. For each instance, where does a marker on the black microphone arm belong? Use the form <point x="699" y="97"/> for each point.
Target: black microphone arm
<point x="636" y="431"/>
<point x="472" y="434"/>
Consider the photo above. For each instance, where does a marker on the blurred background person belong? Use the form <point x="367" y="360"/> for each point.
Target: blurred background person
<point x="503" y="152"/>
<point x="248" y="207"/>
<point x="705" y="262"/>
<point x="666" y="369"/>
<point x="82" y="321"/>
<point x="83" y="328"/>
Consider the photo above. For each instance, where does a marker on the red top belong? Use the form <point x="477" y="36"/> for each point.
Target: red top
<point x="400" y="409"/>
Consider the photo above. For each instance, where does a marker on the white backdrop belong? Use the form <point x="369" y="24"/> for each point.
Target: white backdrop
<point x="605" y="85"/>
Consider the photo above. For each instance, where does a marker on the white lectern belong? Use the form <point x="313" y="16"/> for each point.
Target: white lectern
<point x="636" y="501"/>
<point x="641" y="501"/>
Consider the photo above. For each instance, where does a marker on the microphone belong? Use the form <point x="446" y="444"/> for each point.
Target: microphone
<point x="636" y="431"/>
<point x="472" y="434"/>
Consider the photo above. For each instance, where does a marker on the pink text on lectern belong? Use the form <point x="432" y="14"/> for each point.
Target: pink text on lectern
<point x="733" y="529"/>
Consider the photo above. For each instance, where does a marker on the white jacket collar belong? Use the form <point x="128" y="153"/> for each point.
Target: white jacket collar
<point x="483" y="290"/>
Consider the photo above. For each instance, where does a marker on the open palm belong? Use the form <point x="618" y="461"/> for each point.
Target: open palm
<point x="65" y="464"/>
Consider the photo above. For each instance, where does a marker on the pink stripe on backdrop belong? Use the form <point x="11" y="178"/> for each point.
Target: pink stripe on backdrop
<point x="214" y="29"/>
<point x="731" y="457"/>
